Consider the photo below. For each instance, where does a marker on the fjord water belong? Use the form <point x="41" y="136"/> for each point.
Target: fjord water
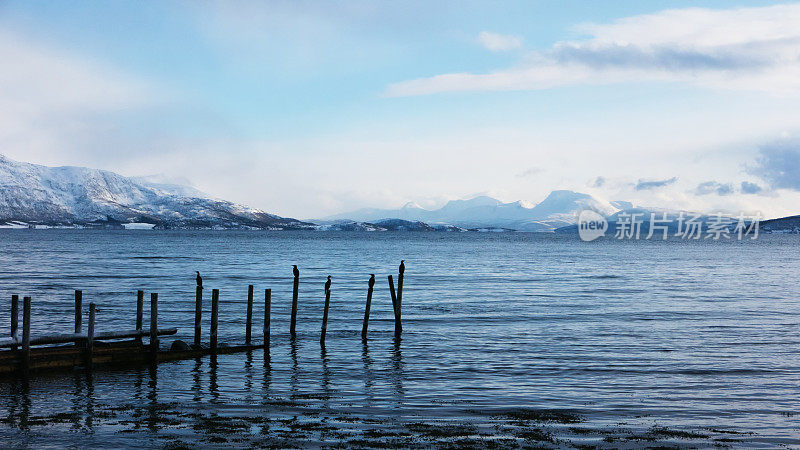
<point x="675" y="333"/>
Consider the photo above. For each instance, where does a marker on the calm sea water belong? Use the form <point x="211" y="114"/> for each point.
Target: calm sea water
<point x="687" y="334"/>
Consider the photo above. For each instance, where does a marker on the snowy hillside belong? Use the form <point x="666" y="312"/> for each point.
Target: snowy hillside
<point x="77" y="195"/>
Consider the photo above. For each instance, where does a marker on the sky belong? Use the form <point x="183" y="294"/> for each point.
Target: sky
<point x="306" y="109"/>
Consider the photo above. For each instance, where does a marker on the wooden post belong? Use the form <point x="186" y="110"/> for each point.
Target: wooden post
<point x="198" y="315"/>
<point x="154" y="325"/>
<point x="325" y="316"/>
<point x="78" y="312"/>
<point x="90" y="337"/>
<point x="400" y="294"/>
<point x="399" y="303"/>
<point x="26" y="333"/>
<point x="139" y="314"/>
<point x="249" y="322"/>
<point x="214" y="319"/>
<point x="267" y="313"/>
<point x="293" y="323"/>
<point x="366" y="313"/>
<point x="398" y="328"/>
<point x="14" y="316"/>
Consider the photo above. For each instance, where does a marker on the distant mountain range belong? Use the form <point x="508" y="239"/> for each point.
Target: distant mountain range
<point x="559" y="209"/>
<point x="77" y="196"/>
<point x="33" y="195"/>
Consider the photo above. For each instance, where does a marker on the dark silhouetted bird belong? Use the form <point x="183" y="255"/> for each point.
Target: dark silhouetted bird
<point x="199" y="280"/>
<point x="295" y="271"/>
<point x="371" y="279"/>
<point x="402" y="266"/>
<point x="328" y="284"/>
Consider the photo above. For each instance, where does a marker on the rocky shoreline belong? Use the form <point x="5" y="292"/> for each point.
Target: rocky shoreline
<point x="303" y="420"/>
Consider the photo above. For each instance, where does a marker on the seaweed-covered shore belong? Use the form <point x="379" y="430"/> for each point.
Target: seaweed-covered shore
<point x="302" y="421"/>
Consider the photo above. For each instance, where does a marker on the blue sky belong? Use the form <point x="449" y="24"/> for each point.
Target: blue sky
<point x="311" y="108"/>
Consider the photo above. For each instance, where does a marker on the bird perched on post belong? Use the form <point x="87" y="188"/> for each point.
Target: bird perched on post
<point x="402" y="266"/>
<point x="199" y="280"/>
<point x="371" y="280"/>
<point x="295" y="271"/>
<point x="328" y="284"/>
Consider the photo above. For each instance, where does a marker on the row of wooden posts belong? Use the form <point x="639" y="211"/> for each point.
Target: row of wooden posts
<point x="91" y="336"/>
<point x="397" y="298"/>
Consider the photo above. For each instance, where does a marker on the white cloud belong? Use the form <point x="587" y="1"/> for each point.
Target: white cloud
<point x="499" y="42"/>
<point x="744" y="49"/>
<point x="40" y="79"/>
<point x="51" y="99"/>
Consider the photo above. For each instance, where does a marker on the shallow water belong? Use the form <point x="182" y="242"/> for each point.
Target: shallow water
<point x="693" y="335"/>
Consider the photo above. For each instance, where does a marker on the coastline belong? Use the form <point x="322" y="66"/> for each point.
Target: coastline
<point x="320" y="418"/>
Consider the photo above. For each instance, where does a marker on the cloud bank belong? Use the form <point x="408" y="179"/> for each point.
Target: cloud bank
<point x="644" y="185"/>
<point x="744" y="49"/>
<point x="714" y="187"/>
<point x="750" y="188"/>
<point x="779" y="165"/>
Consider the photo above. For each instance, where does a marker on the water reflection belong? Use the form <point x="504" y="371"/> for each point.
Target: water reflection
<point x="20" y="408"/>
<point x="366" y="359"/>
<point x="213" y="385"/>
<point x="248" y="375"/>
<point x="326" y="376"/>
<point x="197" y="383"/>
<point x="138" y="381"/>
<point x="397" y="372"/>
<point x="90" y="400"/>
<point x="138" y="394"/>
<point x="152" y="397"/>
<point x="267" y="371"/>
<point x="294" y="377"/>
<point x="25" y="412"/>
<point x="76" y="399"/>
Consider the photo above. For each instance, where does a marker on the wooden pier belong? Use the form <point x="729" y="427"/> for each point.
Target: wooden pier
<point x="23" y="355"/>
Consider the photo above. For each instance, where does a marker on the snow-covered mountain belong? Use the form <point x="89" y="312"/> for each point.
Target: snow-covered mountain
<point x="560" y="208"/>
<point x="77" y="195"/>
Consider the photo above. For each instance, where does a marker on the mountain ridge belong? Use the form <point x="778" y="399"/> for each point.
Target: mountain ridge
<point x="558" y="209"/>
<point x="70" y="195"/>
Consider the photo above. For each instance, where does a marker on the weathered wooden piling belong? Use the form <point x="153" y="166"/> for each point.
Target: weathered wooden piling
<point x="249" y="322"/>
<point x="78" y="312"/>
<point x="139" y="314"/>
<point x="325" y="316"/>
<point x="394" y="296"/>
<point x="198" y="315"/>
<point x="398" y="327"/>
<point x="366" y="311"/>
<point x="26" y="333"/>
<point x="214" y="319"/>
<point x="14" y="316"/>
<point x="154" y="325"/>
<point x="400" y="293"/>
<point x="90" y="336"/>
<point x="267" y="314"/>
<point x="295" y="288"/>
<point x="400" y="276"/>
